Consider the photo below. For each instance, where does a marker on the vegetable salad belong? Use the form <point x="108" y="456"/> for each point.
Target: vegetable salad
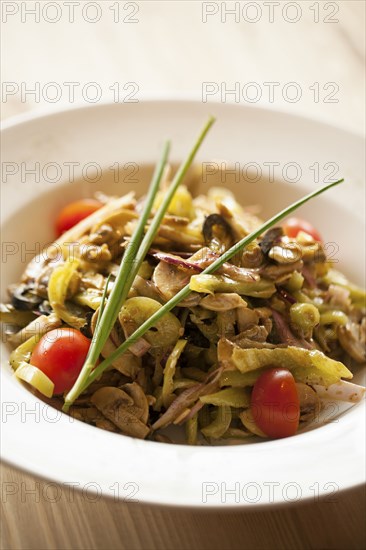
<point x="251" y="352"/>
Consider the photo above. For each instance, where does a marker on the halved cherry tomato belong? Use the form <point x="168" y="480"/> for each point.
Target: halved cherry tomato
<point x="275" y="403"/>
<point x="293" y="226"/>
<point x="74" y="212"/>
<point x="60" y="354"/>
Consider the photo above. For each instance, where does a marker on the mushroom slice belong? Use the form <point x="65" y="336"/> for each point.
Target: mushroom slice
<point x="109" y="397"/>
<point x="223" y="301"/>
<point x="127" y="363"/>
<point x="169" y="280"/>
<point x="106" y="424"/>
<point x="42" y="264"/>
<point x="240" y="274"/>
<point x="139" y="398"/>
<point x="181" y="263"/>
<point x="246" y="317"/>
<point x="146" y="288"/>
<point x="276" y="272"/>
<point x="116" y="220"/>
<point x="86" y="414"/>
<point x="118" y="407"/>
<point x="248" y="422"/>
<point x="284" y="254"/>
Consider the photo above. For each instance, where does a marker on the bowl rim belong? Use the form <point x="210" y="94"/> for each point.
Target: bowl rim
<point x="160" y="98"/>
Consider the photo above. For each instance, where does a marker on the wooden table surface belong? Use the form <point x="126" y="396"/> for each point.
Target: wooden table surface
<point x="167" y="48"/>
<point x="31" y="519"/>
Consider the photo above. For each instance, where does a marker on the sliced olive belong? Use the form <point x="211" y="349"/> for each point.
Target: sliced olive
<point x="217" y="232"/>
<point x="271" y="237"/>
<point x="24" y="298"/>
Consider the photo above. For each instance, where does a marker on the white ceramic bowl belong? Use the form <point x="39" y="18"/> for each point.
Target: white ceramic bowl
<point x="48" y="444"/>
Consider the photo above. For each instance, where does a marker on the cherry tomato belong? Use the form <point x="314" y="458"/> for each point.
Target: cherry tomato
<point x="60" y="354"/>
<point x="275" y="403"/>
<point x="74" y="212"/>
<point x="293" y="226"/>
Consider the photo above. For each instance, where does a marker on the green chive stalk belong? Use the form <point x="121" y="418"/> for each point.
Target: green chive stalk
<point x="182" y="294"/>
<point x="131" y="262"/>
<point x="107" y="315"/>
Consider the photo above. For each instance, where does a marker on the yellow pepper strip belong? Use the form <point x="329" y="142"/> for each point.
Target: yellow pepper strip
<point x="57" y="292"/>
<point x="36" y="378"/>
<point x="23" y="352"/>
<point x="191" y="430"/>
<point x="89" y="298"/>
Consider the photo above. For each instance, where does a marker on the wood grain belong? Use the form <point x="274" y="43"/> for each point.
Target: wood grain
<point x="30" y="520"/>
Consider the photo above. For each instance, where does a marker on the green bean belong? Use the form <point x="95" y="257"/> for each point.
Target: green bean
<point x="304" y="317"/>
<point x="295" y="282"/>
<point x="301" y="297"/>
<point x="335" y="317"/>
<point x="191" y="430"/>
<point x="169" y="371"/>
<point x="158" y="394"/>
